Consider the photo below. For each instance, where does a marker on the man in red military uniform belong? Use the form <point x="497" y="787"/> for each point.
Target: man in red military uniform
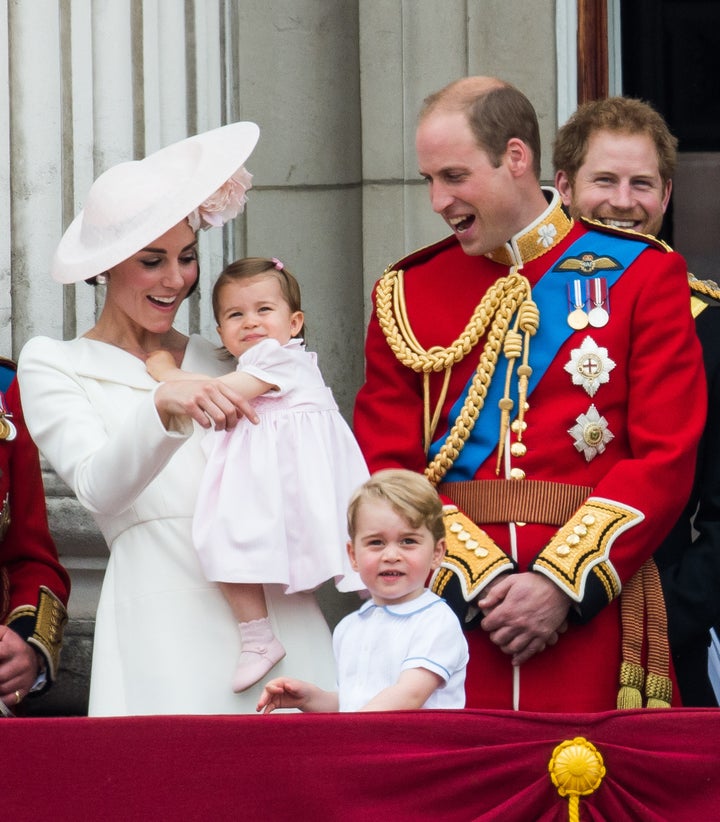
<point x="544" y="374"/>
<point x="614" y="161"/>
<point x="34" y="587"/>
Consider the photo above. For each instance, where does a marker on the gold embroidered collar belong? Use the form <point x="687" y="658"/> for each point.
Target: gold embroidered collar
<point x="552" y="226"/>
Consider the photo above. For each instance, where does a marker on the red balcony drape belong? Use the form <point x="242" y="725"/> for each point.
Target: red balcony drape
<point x="434" y="765"/>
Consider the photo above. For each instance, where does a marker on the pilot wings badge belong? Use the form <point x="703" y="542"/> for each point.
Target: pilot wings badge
<point x="587" y="263"/>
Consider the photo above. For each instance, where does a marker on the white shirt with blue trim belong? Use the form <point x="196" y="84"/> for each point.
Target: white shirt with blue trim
<point x="376" y="643"/>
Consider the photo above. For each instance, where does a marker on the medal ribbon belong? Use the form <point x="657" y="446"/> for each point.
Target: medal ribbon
<point x="597" y="291"/>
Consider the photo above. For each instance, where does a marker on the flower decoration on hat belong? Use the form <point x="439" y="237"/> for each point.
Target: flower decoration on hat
<point x="224" y="204"/>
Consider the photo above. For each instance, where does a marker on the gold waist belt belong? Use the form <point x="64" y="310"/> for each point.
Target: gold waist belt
<point x="538" y="501"/>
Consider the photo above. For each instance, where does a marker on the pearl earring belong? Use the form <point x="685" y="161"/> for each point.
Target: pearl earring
<point x="101" y="279"/>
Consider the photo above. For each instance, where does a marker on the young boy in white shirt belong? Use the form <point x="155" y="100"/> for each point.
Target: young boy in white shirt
<point x="404" y="648"/>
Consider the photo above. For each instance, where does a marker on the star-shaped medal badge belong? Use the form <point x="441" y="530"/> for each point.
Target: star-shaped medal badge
<point x="591" y="433"/>
<point x="589" y="366"/>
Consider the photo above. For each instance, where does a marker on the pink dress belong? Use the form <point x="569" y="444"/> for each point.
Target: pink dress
<point x="273" y="497"/>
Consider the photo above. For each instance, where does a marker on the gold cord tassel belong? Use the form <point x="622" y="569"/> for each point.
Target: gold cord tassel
<point x="632" y="680"/>
<point x="658" y="685"/>
<point x="431" y="425"/>
<point x="512" y="349"/>
<point x="490" y="321"/>
<point x="632" y="673"/>
<point x="528" y="322"/>
<point x="642" y="610"/>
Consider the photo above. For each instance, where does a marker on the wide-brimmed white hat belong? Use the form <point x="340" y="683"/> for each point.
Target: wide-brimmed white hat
<point x="134" y="203"/>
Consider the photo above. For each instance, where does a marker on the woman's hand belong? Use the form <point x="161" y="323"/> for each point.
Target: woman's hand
<point x="209" y="402"/>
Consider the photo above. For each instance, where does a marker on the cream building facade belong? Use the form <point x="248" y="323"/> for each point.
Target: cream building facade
<point x="335" y="86"/>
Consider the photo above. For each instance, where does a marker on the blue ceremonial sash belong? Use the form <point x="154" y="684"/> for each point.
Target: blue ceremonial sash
<point x="551" y="296"/>
<point x="7" y="375"/>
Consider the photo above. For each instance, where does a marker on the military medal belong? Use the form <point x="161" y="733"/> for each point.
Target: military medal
<point x="590" y="434"/>
<point x="577" y="318"/>
<point x="7" y="429"/>
<point x="598" y="316"/>
<point x="589" y="366"/>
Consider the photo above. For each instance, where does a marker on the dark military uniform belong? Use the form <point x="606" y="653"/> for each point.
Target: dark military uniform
<point x="34" y="587"/>
<point x="690" y="568"/>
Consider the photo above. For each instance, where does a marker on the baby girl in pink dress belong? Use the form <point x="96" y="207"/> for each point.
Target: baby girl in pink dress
<point x="273" y="497"/>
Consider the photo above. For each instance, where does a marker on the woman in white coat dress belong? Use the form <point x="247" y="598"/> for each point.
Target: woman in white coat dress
<point x="129" y="448"/>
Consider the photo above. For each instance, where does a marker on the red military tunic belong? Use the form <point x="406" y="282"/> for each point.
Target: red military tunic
<point x="627" y="437"/>
<point x="34" y="586"/>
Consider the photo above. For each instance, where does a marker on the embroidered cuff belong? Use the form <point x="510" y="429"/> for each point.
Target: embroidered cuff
<point x="42" y="627"/>
<point x="583" y="546"/>
<point x="472" y="557"/>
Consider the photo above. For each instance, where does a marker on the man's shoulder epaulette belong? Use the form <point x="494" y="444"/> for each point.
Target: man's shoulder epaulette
<point x="628" y="233"/>
<point x="422" y="254"/>
<point x="7" y="373"/>
<point x="707" y="290"/>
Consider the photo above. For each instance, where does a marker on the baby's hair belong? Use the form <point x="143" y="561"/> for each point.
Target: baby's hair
<point x="248" y="267"/>
<point x="410" y="494"/>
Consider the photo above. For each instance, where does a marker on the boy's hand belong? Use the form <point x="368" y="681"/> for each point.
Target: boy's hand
<point x="283" y="693"/>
